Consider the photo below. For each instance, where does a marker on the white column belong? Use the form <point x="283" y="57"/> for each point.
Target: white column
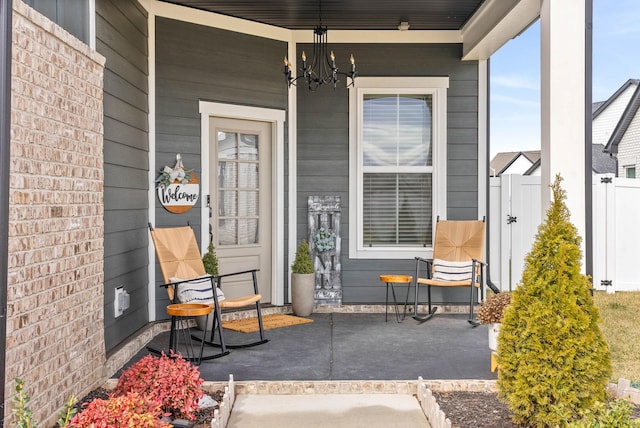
<point x="563" y="75"/>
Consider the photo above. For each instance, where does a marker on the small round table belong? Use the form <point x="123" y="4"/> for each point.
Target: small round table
<point x="180" y="315"/>
<point x="391" y="280"/>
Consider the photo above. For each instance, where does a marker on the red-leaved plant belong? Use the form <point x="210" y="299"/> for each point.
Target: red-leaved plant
<point x="170" y="379"/>
<point x="130" y="410"/>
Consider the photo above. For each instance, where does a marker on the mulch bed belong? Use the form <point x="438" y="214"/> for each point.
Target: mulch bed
<point x="474" y="409"/>
<point x="481" y="409"/>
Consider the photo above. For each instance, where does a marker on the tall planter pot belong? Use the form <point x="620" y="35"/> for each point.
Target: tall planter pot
<point x="303" y="293"/>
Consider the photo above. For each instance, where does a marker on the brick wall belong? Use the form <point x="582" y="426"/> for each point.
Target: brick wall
<point x="55" y="281"/>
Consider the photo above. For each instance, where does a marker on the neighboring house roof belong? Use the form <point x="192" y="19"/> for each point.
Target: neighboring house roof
<point x="503" y="160"/>
<point x="595" y="106"/>
<point x="602" y="105"/>
<point x="533" y="168"/>
<point x="624" y="122"/>
<point x="532" y="155"/>
<point x="607" y="116"/>
<point x="601" y="162"/>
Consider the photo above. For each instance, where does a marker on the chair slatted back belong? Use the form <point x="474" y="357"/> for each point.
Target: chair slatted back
<point x="458" y="240"/>
<point x="178" y="253"/>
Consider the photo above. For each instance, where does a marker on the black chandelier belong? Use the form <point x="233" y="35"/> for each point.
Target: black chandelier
<point x="322" y="69"/>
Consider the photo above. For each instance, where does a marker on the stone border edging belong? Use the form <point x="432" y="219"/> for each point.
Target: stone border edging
<point x="430" y="407"/>
<point x="623" y="389"/>
<point x="421" y="388"/>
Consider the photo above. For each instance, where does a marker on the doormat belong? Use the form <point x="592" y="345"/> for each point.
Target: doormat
<point x="250" y="325"/>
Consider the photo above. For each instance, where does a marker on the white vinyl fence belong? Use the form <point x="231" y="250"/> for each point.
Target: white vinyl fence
<point x="515" y="213"/>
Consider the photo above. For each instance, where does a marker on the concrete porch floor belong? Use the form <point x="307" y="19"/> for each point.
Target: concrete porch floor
<point x="354" y="346"/>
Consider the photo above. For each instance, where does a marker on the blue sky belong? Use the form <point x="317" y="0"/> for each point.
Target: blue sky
<point x="515" y="73"/>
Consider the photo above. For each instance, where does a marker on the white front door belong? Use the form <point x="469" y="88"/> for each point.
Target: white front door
<point x="240" y="186"/>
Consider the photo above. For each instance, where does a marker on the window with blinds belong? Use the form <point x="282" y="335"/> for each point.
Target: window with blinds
<point x="397" y="168"/>
<point x="397" y="165"/>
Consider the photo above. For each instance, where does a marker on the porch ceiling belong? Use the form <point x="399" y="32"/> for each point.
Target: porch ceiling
<point x="346" y="14"/>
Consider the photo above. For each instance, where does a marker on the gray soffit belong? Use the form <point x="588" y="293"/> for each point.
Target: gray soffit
<point x="345" y="14"/>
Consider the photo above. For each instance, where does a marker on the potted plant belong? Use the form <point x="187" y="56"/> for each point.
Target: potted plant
<point x="491" y="313"/>
<point x="210" y="260"/>
<point x="303" y="281"/>
<point x="211" y="267"/>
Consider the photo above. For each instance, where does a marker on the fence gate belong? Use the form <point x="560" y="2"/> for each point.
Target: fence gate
<point x="514" y="216"/>
<point x="616" y="235"/>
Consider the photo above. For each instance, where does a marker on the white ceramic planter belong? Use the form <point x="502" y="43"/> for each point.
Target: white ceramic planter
<point x="303" y="288"/>
<point x="494" y="330"/>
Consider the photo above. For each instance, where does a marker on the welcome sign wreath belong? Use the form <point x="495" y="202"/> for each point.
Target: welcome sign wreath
<point x="177" y="188"/>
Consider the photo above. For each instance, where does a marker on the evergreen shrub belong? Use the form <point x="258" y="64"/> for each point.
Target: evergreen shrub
<point x="302" y="262"/>
<point x="210" y="260"/>
<point x="554" y="362"/>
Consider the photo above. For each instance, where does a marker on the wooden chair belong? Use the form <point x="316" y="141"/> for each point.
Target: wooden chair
<point x="187" y="281"/>
<point x="457" y="262"/>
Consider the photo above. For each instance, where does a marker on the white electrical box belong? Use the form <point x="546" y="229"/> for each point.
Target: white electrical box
<point x="121" y="302"/>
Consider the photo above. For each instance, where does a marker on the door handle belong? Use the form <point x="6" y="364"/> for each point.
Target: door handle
<point x="511" y="219"/>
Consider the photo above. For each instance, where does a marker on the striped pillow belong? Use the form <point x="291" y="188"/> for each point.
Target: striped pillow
<point x="444" y="270"/>
<point x="197" y="290"/>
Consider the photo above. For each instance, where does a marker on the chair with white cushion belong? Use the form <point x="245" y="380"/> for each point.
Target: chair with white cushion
<point x="187" y="282"/>
<point x="457" y="262"/>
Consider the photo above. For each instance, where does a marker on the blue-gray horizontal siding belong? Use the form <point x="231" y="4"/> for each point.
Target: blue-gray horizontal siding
<point x="121" y="32"/>
<point x="194" y="63"/>
<point x="323" y="149"/>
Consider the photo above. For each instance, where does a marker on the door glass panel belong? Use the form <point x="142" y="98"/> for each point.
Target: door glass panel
<point x="227" y="203"/>
<point x="248" y="204"/>
<point x="227" y="174"/>
<point x="227" y="145"/>
<point x="248" y="231"/>
<point x="249" y="146"/>
<point x="227" y="231"/>
<point x="238" y="188"/>
<point x="248" y="175"/>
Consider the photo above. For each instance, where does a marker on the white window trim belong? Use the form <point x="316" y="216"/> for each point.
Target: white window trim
<point x="437" y="86"/>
